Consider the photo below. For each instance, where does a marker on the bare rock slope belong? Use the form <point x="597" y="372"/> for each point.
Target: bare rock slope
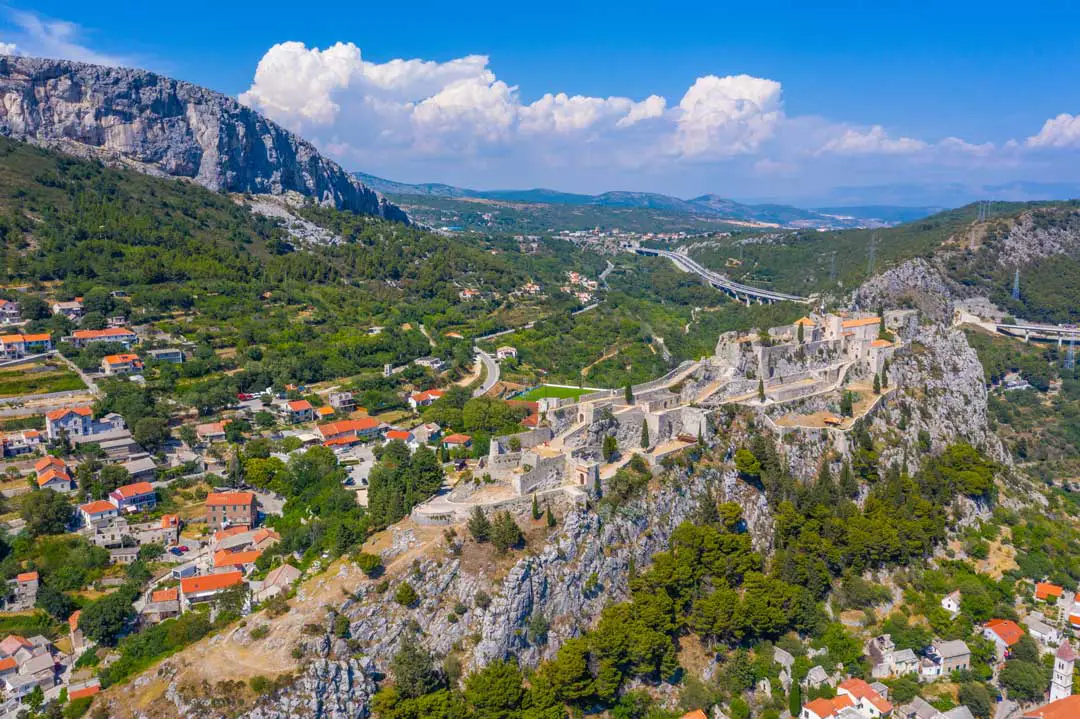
<point x="167" y="127"/>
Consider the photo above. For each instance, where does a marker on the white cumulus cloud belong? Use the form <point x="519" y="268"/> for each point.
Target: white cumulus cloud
<point x="723" y="116"/>
<point x="1062" y="131"/>
<point x="872" y="141"/>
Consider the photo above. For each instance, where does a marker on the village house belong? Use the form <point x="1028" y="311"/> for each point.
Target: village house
<point x="278" y="581"/>
<point x="243" y="561"/>
<point x="826" y="708"/>
<point x="454" y="441"/>
<point x="869" y="700"/>
<point x="1004" y="633"/>
<point x="240" y="538"/>
<point x="468" y="294"/>
<point x="432" y="363"/>
<point x="297" y="410"/>
<point x="358" y="429"/>
<point x="505" y="352"/>
<point x="196" y="590"/>
<point x="170" y="355"/>
<point x="1047" y="592"/>
<point x="399" y="435"/>
<point x="1065" y="708"/>
<point x="78" y="423"/>
<point x="951" y="603"/>
<point x="14" y="346"/>
<point x="425" y="398"/>
<point x="342" y="401"/>
<point x="210" y="432"/>
<point x="22" y="591"/>
<point x="427" y="433"/>
<point x="952" y="656"/>
<point x="163" y="604"/>
<point x="136" y="497"/>
<point x="97" y="512"/>
<point x="324" y="412"/>
<point x="119" y="335"/>
<point x="113" y="365"/>
<point x="22" y="442"/>
<point x="141" y="468"/>
<point x="1041" y="631"/>
<point x="52" y="473"/>
<point x="10" y="312"/>
<point x="225" y="509"/>
<point x="72" y="310"/>
<point x="34" y="661"/>
<point x="75" y="634"/>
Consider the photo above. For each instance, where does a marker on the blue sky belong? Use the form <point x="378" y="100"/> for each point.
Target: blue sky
<point x="750" y="100"/>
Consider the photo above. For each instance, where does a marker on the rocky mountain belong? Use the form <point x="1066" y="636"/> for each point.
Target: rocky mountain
<point x="167" y="127"/>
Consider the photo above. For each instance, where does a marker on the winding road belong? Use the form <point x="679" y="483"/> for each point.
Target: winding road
<point x="741" y="292"/>
<point x="491" y="373"/>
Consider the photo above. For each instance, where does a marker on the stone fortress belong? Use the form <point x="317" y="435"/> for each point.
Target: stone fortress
<point x="817" y="355"/>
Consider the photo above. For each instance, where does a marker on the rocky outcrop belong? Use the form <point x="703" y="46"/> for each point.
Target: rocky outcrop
<point x="166" y="127"/>
<point x="1039" y="234"/>
<point x="915" y="283"/>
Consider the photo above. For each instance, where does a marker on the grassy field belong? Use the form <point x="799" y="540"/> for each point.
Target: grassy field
<point x="38" y="379"/>
<point x="546" y="390"/>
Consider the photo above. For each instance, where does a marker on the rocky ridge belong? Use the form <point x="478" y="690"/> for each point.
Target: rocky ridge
<point x="166" y="127"/>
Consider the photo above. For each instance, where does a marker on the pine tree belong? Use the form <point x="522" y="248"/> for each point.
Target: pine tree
<point x="847" y="481"/>
<point x="761" y="390"/>
<point x="535" y="508"/>
<point x="644" y="434"/>
<point x="479" y="525"/>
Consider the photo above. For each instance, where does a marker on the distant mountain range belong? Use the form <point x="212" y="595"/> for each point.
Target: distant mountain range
<point x="711" y="207"/>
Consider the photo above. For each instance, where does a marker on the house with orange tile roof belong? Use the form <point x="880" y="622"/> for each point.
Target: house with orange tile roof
<point x="83" y="692"/>
<point x="119" y="335"/>
<point x="695" y="714"/>
<point x="826" y="708"/>
<point x="73" y="421"/>
<point x="865" y="698"/>
<point x="21" y="442"/>
<point x="324" y="412"/>
<point x="55" y="476"/>
<point x="98" y="511"/>
<point x="425" y="398"/>
<point x="1004" y="633"/>
<point x="297" y="410"/>
<point x="13" y="346"/>
<point x="211" y="431"/>
<point x="453" y="441"/>
<point x="195" y="590"/>
<point x="1047" y="592"/>
<point x="244" y="561"/>
<point x="121" y="364"/>
<point x="135" y="497"/>
<point x="78" y="640"/>
<point x="361" y="428"/>
<point x="21" y="593"/>
<point x="399" y="435"/>
<point x="225" y="509"/>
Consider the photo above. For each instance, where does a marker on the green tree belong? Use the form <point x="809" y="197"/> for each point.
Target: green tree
<point x="877" y="384"/>
<point x="536" y="513"/>
<point x="801" y="339"/>
<point x="505" y="533"/>
<point x="550" y="518"/>
<point x="885" y="373"/>
<point x="977" y="698"/>
<point x="413" y="669"/>
<point x="610" y="447"/>
<point x="628" y="393"/>
<point x="151" y="433"/>
<point x="1026" y="682"/>
<point x="644" y="434"/>
<point x="370" y="564"/>
<point x="187" y="435"/>
<point x="103" y="620"/>
<point x="405" y="595"/>
<point x="46" y="512"/>
<point x="795" y="698"/>
<point x="747" y="464"/>
<point x="495" y="691"/>
<point x="56" y="603"/>
<point x="761" y="390"/>
<point x="479" y="525"/>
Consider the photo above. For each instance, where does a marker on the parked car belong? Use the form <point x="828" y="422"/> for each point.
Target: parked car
<point x="175" y="551"/>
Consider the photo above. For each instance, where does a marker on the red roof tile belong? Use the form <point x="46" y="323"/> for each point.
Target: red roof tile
<point x="211" y="582"/>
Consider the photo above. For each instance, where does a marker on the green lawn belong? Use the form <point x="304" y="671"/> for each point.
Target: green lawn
<point x="53" y="379"/>
<point x="546" y="390"/>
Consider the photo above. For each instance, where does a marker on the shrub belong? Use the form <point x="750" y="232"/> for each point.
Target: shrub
<point x="370" y="564"/>
<point x="482" y="600"/>
<point x="405" y="595"/>
<point x="259" y="632"/>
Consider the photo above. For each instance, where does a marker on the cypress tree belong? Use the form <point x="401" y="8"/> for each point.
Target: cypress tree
<point x="535" y="508"/>
<point x="550" y="518"/>
<point x="644" y="434"/>
<point x="761" y="390"/>
<point x="629" y="393"/>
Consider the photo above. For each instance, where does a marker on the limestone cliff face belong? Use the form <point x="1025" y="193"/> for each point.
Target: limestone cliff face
<point x="166" y="127"/>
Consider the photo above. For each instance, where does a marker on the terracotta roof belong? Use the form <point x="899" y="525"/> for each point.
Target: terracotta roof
<point x="134" y="490"/>
<point x="399" y="434"/>
<point x="73" y="620"/>
<point x="805" y="322"/>
<point x="827" y="707"/>
<point x="225" y="558"/>
<point x="45" y="462"/>
<point x="168" y="521"/>
<point x="223" y="498"/>
<point x="120" y="359"/>
<point x="457" y="439"/>
<point x="27" y="577"/>
<point x="347" y="426"/>
<point x="38" y="337"/>
<point x="51" y="475"/>
<point x="61" y="413"/>
<point x="211" y="582"/>
<point x="861" y="690"/>
<point x="85" y="692"/>
<point x="11" y="339"/>
<point x="696" y="714"/>
<point x="229" y="532"/>
<point x="263" y="534"/>
<point x="342" y="441"/>
<point x="97" y="507"/>
<point x="95" y="334"/>
<point x="1007" y="630"/>
<point x="1045" y="590"/>
<point x="324" y="411"/>
<point x="165" y="595"/>
<point x="1067" y="708"/>
<point x="210" y="428"/>
<point x="8" y="663"/>
<point x="847" y="324"/>
<point x="299" y="405"/>
<point x="881" y="343"/>
<point x="424" y="396"/>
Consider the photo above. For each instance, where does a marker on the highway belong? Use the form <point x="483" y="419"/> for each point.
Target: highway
<point x="741" y="292"/>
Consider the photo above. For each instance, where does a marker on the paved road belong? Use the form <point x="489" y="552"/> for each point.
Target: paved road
<point x="491" y="368"/>
<point x="722" y="282"/>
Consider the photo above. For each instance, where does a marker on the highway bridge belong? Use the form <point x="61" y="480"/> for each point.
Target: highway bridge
<point x="1047" y="333"/>
<point x="742" y="293"/>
